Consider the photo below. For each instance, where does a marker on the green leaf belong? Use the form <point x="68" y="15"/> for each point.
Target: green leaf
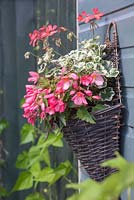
<point x="3" y="125"/>
<point x="24" y="181"/>
<point x="46" y="175"/>
<point x="119" y="162"/>
<point x="47" y="157"/>
<point x="62" y="118"/>
<point x="27" y="134"/>
<point x="22" y="160"/>
<point x="35" y="196"/>
<point x="50" y="175"/>
<point x="2" y="162"/>
<point x="22" y="101"/>
<point x="113" y="72"/>
<point x="107" y="94"/>
<point x="98" y="107"/>
<point x="84" y="115"/>
<point x="3" y="192"/>
<point x="35" y="169"/>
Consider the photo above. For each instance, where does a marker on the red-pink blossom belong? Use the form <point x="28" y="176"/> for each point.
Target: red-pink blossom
<point x="84" y="17"/>
<point x="79" y="99"/>
<point x="34" y="105"/>
<point x="97" y="97"/>
<point x="34" y="37"/>
<point x="74" y="76"/>
<point x="34" y="77"/>
<point x="60" y="106"/>
<point x="97" y="13"/>
<point x="72" y="92"/>
<point x="75" y="85"/>
<point x="63" y="84"/>
<point x="88" y="92"/>
<point x="86" y="80"/>
<point x="97" y="79"/>
<point x="47" y="31"/>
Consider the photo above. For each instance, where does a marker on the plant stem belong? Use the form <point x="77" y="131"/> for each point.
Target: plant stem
<point x="34" y="55"/>
<point x="57" y="53"/>
<point x="129" y="193"/>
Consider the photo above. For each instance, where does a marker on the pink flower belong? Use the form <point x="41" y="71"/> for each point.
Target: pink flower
<point x="34" y="105"/>
<point x="75" y="85"/>
<point x="97" y="79"/>
<point x="88" y="92"/>
<point x="46" y="31"/>
<point x="86" y="80"/>
<point x="63" y="70"/>
<point x="72" y="92"/>
<point x="96" y="97"/>
<point x="34" y="37"/>
<point x="74" y="76"/>
<point x="60" y="106"/>
<point x="84" y="17"/>
<point x="97" y="13"/>
<point x="79" y="99"/>
<point x="34" y="77"/>
<point x="63" y="84"/>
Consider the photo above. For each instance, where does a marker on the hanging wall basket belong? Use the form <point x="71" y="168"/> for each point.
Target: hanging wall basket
<point x="96" y="143"/>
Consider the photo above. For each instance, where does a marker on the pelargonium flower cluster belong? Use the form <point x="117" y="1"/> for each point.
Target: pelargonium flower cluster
<point x="84" y="17"/>
<point x="44" y="32"/>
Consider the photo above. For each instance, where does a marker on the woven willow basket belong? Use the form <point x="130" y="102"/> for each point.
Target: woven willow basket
<point x="96" y="143"/>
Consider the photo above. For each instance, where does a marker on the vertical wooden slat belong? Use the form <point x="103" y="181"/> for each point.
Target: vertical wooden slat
<point x="8" y="22"/>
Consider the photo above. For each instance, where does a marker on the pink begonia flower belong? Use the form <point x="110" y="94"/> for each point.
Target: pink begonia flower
<point x="72" y="92"/>
<point x="97" y="79"/>
<point x="34" y="37"/>
<point x="97" y="97"/>
<point x="75" y="85"/>
<point x="74" y="76"/>
<point x="79" y="99"/>
<point x="50" y="110"/>
<point x="34" y="105"/>
<point x="34" y="77"/>
<point x="60" y="106"/>
<point x="63" y="70"/>
<point x="63" y="84"/>
<point x="30" y="106"/>
<point x="88" y="92"/>
<point x="86" y="80"/>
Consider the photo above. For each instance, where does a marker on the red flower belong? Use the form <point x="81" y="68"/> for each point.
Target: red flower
<point x="86" y="80"/>
<point x="79" y="99"/>
<point x="42" y="33"/>
<point x="34" y="77"/>
<point x="97" y="79"/>
<point x="97" y="97"/>
<point x="47" y="31"/>
<point x="88" y="92"/>
<point x="63" y="84"/>
<point x="34" y="37"/>
<point x="97" y="13"/>
<point x="84" y="17"/>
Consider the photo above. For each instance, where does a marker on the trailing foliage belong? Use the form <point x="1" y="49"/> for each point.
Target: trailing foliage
<point x="111" y="187"/>
<point x="35" y="162"/>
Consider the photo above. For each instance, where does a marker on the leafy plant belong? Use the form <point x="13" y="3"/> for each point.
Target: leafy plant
<point x="35" y="163"/>
<point x="112" y="187"/>
<point x="3" y="125"/>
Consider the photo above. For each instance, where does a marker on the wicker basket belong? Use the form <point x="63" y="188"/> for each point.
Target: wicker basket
<point x="96" y="143"/>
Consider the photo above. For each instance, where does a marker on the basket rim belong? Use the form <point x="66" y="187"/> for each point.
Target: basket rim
<point x="108" y="109"/>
